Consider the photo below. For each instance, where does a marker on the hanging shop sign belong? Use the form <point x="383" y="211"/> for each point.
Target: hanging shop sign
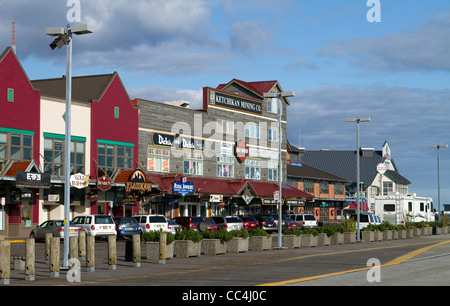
<point x="138" y="182"/>
<point x="32" y="180"/>
<point x="241" y="151"/>
<point x="103" y="183"/>
<point x="183" y="188"/>
<point x="235" y="102"/>
<point x="178" y="141"/>
<point x="215" y="198"/>
<point x="79" y="180"/>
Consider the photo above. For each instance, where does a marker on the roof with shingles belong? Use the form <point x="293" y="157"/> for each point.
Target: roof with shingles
<point x="308" y="172"/>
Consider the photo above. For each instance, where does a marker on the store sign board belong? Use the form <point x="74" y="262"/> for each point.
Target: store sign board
<point x="138" y="182"/>
<point x="241" y="151"/>
<point x="79" y="180"/>
<point x="103" y="183"/>
<point x="178" y="141"/>
<point x="183" y="188"/>
<point x="235" y="102"/>
<point x="32" y="180"/>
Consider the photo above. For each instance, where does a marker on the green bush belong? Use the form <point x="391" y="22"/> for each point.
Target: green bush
<point x="296" y="232"/>
<point x="188" y="234"/>
<point x="153" y="236"/>
<point x="259" y="232"/>
<point x="242" y="233"/>
<point x="348" y="225"/>
<point x="309" y="230"/>
<point x="330" y="230"/>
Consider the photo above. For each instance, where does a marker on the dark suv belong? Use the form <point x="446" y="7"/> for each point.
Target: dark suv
<point x="196" y="223"/>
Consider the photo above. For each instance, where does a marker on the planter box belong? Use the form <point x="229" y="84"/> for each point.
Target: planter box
<point x="395" y="235"/>
<point x="213" y="247"/>
<point x="368" y="236"/>
<point x="336" y="239"/>
<point x="152" y="249"/>
<point x="409" y="233"/>
<point x="261" y="243"/>
<point x="387" y="235"/>
<point x="349" y="237"/>
<point x="323" y="239"/>
<point x="416" y="232"/>
<point x="445" y="229"/>
<point x="437" y="230"/>
<point x="402" y="234"/>
<point x="309" y="240"/>
<point x="187" y="248"/>
<point x="292" y="241"/>
<point x="377" y="236"/>
<point x="237" y="245"/>
<point x="427" y="231"/>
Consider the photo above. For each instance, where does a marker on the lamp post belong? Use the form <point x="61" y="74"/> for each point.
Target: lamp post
<point x="64" y="37"/>
<point x="278" y="96"/>
<point x="438" y="147"/>
<point x="357" y="120"/>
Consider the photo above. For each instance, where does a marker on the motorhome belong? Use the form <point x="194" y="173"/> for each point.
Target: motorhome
<point x="399" y="208"/>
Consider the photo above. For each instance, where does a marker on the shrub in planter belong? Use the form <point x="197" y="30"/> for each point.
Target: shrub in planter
<point x="292" y="239"/>
<point x="151" y="240"/>
<point x="260" y="240"/>
<point x="309" y="237"/>
<point x="187" y="243"/>
<point x="239" y="243"/>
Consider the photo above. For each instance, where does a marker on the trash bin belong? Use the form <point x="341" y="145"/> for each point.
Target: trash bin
<point x="129" y="250"/>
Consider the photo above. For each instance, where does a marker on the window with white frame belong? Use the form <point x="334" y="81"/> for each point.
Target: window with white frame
<point x="273" y="171"/>
<point x="225" y="166"/>
<point x="252" y="169"/>
<point x="272" y="105"/>
<point x="252" y="130"/>
<point x="225" y="126"/>
<point x="193" y="163"/>
<point x="273" y="134"/>
<point x="158" y="160"/>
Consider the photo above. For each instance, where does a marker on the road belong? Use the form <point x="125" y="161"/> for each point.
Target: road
<point x="418" y="261"/>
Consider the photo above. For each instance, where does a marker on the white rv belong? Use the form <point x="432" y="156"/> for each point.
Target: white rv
<point x="400" y="208"/>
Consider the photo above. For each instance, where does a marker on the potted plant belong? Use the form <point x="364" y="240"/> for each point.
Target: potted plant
<point x="215" y="243"/>
<point x="338" y="236"/>
<point x="292" y="238"/>
<point x="325" y="234"/>
<point x="260" y="240"/>
<point x="239" y="243"/>
<point x="349" y="229"/>
<point x="401" y="231"/>
<point x="188" y="243"/>
<point x="367" y="234"/>
<point x="309" y="237"/>
<point x="151" y="240"/>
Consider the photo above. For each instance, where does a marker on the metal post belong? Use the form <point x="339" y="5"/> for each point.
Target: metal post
<point x="67" y="150"/>
<point x="280" y="180"/>
<point x="439" y="186"/>
<point x="358" y="239"/>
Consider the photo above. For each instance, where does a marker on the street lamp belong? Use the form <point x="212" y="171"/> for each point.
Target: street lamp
<point x="357" y="120"/>
<point x="279" y="95"/>
<point x="438" y="147"/>
<point x="64" y="38"/>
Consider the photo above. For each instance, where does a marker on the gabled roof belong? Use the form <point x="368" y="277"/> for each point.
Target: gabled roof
<point x="10" y="50"/>
<point x="343" y="164"/>
<point x="308" y="172"/>
<point x="84" y="88"/>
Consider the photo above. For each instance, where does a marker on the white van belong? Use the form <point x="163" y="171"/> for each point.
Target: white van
<point x="366" y="219"/>
<point x="305" y="220"/>
<point x="149" y="223"/>
<point x="96" y="225"/>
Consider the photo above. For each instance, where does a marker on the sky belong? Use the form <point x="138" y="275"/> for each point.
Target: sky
<point x="338" y="60"/>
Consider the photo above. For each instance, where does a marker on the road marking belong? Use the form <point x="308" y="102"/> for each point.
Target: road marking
<point x="396" y="261"/>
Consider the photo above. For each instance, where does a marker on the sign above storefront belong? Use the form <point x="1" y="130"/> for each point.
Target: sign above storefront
<point x="79" y="180"/>
<point x="32" y="180"/>
<point x="183" y="188"/>
<point x="137" y="181"/>
<point x="241" y="151"/>
<point x="178" y="141"/>
<point x="103" y="183"/>
<point x="235" y="102"/>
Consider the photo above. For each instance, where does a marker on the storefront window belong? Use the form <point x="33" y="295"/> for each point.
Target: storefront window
<point x="114" y="156"/>
<point x="54" y="155"/>
<point x="15" y="146"/>
<point x="252" y="169"/>
<point x="158" y="160"/>
<point x="225" y="166"/>
<point x="193" y="163"/>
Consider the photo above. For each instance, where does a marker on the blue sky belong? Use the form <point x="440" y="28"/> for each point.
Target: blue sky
<point x="340" y="65"/>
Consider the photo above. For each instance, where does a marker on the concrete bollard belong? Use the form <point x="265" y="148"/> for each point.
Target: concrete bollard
<point x="82" y="245"/>
<point x="112" y="253"/>
<point x="73" y="248"/>
<point x="90" y="253"/>
<point x="5" y="262"/>
<point x="54" y="257"/>
<point x="30" y="259"/>
<point x="137" y="251"/>
<point x="48" y="237"/>
<point x="162" y="247"/>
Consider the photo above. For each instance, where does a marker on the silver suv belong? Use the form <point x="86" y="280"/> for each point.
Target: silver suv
<point x="96" y="225"/>
<point x="305" y="220"/>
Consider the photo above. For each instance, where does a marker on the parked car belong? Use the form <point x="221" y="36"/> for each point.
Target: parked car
<point x="126" y="227"/>
<point x="366" y="218"/>
<point x="196" y="223"/>
<point x="173" y="226"/>
<point x="305" y="220"/>
<point x="96" y="225"/>
<point x="266" y="223"/>
<point x="229" y="223"/>
<point x="152" y="223"/>
<point x="54" y="227"/>
<point x="290" y="224"/>
<point x="210" y="224"/>
<point x="250" y="223"/>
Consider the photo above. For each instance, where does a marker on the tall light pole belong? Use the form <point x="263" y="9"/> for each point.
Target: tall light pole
<point x="358" y="210"/>
<point x="438" y="147"/>
<point x="64" y="37"/>
<point x="278" y="96"/>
